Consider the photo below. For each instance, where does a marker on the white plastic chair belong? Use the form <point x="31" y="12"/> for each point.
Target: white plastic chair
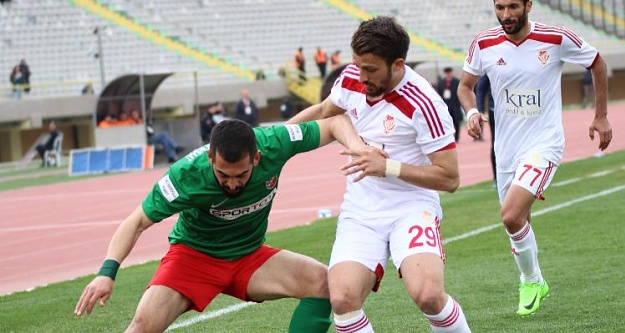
<point x="54" y="156"/>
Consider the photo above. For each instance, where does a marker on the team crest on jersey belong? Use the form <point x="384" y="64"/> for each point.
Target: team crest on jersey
<point x="389" y="124"/>
<point x="271" y="183"/>
<point x="543" y="57"/>
<point x="354" y="113"/>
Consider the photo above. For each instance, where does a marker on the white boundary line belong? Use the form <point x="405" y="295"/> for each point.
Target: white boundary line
<point x="208" y="315"/>
<point x="236" y="307"/>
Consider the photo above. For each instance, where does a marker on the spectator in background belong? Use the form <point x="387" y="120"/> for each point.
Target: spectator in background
<point x="87" y="89"/>
<point x="286" y="108"/>
<point x="17" y="80"/>
<point x="20" y="78"/>
<point x="123" y="119"/>
<point x="246" y="109"/>
<point x="448" y="89"/>
<point x="215" y="113"/>
<point x="48" y="142"/>
<point x="335" y="59"/>
<point x="260" y="75"/>
<point x="107" y="121"/>
<point x="300" y="65"/>
<point x="482" y="92"/>
<point x="588" y="96"/>
<point x="160" y="139"/>
<point x="26" y="73"/>
<point x="321" y="59"/>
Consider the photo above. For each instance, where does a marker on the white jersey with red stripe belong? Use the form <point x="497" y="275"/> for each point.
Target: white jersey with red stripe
<point x="409" y="123"/>
<point x="526" y="86"/>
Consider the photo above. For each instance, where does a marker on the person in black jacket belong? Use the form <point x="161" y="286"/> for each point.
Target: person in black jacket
<point x="246" y="109"/>
<point x="482" y="93"/>
<point x="215" y="113"/>
<point x="48" y="142"/>
<point x="448" y="89"/>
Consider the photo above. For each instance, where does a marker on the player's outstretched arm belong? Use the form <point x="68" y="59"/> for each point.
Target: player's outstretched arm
<point x="600" y="123"/>
<point x="467" y="98"/>
<point x="99" y="290"/>
<point x="325" y="109"/>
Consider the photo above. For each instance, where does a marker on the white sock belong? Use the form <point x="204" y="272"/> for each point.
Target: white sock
<point x="525" y="252"/>
<point x="353" y="322"/>
<point x="450" y="320"/>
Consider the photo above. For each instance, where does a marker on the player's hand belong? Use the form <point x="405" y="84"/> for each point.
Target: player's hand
<point x="98" y="290"/>
<point x="601" y="126"/>
<point x="370" y="161"/>
<point x="473" y="125"/>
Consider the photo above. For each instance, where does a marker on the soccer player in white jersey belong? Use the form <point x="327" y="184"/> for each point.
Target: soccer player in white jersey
<point x="524" y="60"/>
<point x="395" y="211"/>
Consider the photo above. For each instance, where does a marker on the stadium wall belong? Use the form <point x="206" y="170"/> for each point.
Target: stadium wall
<point x="23" y="121"/>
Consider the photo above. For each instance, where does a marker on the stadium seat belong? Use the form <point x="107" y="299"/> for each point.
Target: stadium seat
<point x="54" y="156"/>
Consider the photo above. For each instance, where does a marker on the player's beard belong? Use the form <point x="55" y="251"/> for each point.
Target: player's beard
<point x="237" y="191"/>
<point x="520" y="23"/>
<point x="374" y="91"/>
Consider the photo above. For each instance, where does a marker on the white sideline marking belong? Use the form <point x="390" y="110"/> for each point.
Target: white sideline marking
<point x="239" y="306"/>
<point x="209" y="315"/>
<point x="537" y="213"/>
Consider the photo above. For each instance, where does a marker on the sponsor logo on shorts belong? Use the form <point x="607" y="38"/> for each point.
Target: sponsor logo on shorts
<point x="295" y="132"/>
<point x="526" y="103"/>
<point x="168" y="189"/>
<point x="235" y="213"/>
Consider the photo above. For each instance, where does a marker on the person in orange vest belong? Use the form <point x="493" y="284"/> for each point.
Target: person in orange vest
<point x="321" y="59"/>
<point x="335" y="60"/>
<point x="300" y="64"/>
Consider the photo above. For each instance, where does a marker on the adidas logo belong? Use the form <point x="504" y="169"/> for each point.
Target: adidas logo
<point x="501" y="62"/>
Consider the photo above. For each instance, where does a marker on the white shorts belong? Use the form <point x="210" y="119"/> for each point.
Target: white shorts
<point x="370" y="241"/>
<point x="534" y="174"/>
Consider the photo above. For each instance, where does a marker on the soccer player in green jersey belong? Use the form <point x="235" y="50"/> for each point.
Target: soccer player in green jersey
<point x="223" y="193"/>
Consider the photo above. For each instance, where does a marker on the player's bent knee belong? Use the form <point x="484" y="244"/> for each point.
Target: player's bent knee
<point x="430" y="301"/>
<point x="342" y="302"/>
<point x="140" y="324"/>
<point x="511" y="220"/>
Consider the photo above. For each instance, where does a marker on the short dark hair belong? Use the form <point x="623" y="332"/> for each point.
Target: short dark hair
<point x="232" y="139"/>
<point x="524" y="1"/>
<point x="383" y="37"/>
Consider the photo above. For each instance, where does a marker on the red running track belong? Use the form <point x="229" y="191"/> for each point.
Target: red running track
<point x="58" y="232"/>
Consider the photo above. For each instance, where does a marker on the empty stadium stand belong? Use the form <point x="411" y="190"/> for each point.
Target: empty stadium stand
<point x="215" y="46"/>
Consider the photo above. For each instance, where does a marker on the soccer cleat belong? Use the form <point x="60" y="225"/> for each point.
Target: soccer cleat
<point x="530" y="295"/>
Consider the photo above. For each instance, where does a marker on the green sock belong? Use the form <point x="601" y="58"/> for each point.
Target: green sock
<point x="312" y="315"/>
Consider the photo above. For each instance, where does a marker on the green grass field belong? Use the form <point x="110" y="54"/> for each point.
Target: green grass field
<point x="579" y="229"/>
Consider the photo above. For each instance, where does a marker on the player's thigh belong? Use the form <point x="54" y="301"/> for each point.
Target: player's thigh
<point x="364" y="241"/>
<point x="423" y="276"/>
<point x="418" y="253"/>
<point x="520" y="189"/>
<point x="288" y="274"/>
<point x="158" y="308"/>
<point x="359" y="255"/>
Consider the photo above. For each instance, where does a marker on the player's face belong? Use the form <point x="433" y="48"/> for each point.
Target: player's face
<point x="375" y="74"/>
<point x="234" y="177"/>
<point x="512" y="15"/>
